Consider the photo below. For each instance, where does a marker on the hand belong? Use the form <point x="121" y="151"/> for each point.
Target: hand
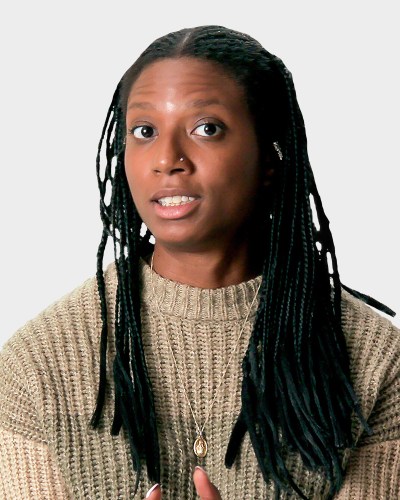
<point x="154" y="493"/>
<point x="204" y="487"/>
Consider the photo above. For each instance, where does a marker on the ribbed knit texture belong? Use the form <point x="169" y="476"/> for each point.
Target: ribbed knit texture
<point x="49" y="373"/>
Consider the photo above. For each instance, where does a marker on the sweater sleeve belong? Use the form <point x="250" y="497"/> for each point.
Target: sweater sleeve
<point x="373" y="472"/>
<point x="28" y="470"/>
<point x="27" y="467"/>
<point x="373" y="469"/>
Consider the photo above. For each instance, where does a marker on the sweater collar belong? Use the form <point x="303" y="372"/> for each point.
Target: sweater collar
<point x="192" y="303"/>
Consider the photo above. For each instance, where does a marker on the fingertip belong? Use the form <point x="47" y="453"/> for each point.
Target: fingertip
<point x="153" y="489"/>
<point x="202" y="471"/>
<point x="204" y="487"/>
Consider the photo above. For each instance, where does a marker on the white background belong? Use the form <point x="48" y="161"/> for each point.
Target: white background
<point x="60" y="63"/>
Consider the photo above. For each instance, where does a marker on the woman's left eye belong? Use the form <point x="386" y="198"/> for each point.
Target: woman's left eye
<point x="208" y="129"/>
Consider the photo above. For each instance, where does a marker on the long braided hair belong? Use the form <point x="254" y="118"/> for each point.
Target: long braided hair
<point x="296" y="393"/>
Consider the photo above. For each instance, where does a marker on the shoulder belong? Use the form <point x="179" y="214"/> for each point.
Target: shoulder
<point x="373" y="344"/>
<point x="52" y="350"/>
<point x="370" y="336"/>
<point x="72" y="312"/>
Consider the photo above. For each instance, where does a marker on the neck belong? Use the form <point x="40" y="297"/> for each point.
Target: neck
<point x="212" y="269"/>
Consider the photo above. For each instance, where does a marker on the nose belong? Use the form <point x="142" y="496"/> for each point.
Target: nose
<point x="170" y="157"/>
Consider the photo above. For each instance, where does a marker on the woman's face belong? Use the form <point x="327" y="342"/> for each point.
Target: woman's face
<point x="191" y="158"/>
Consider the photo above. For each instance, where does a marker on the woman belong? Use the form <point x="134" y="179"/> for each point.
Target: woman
<point x="235" y="347"/>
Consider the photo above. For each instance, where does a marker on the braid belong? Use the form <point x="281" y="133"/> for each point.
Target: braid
<point x="134" y="406"/>
<point x="288" y="399"/>
<point x="297" y="396"/>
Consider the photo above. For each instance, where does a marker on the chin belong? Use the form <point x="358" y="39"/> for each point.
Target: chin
<point x="174" y="233"/>
<point x="175" y="241"/>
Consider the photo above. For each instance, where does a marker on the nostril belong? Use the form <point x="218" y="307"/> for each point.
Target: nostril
<point x="177" y="169"/>
<point x="170" y="171"/>
<point x="171" y="166"/>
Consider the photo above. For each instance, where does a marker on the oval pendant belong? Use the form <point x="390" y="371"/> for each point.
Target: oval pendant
<point x="200" y="447"/>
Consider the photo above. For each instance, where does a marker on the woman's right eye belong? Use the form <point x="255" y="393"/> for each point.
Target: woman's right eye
<point x="142" y="132"/>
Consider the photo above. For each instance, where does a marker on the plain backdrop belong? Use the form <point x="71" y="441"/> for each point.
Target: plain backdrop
<point x="60" y="63"/>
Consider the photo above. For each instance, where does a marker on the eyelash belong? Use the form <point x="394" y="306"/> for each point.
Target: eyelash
<point x="219" y="126"/>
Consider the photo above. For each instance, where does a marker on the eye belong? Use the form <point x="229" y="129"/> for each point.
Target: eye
<point x="142" y="132"/>
<point x="208" y="129"/>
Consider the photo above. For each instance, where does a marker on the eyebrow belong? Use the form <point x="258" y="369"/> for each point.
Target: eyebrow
<point x="197" y="103"/>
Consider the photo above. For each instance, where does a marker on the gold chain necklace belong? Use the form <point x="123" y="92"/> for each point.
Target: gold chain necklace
<point x="200" y="446"/>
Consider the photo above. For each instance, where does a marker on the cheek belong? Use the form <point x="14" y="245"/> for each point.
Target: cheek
<point x="235" y="191"/>
<point x="244" y="157"/>
<point x="239" y="172"/>
<point x="130" y="163"/>
<point x="132" y="169"/>
<point x="134" y="179"/>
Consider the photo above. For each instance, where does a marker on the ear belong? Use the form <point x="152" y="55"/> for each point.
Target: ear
<point x="267" y="171"/>
<point x="268" y="176"/>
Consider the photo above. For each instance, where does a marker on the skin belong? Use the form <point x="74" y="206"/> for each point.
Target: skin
<point x="204" y="487"/>
<point x="211" y="246"/>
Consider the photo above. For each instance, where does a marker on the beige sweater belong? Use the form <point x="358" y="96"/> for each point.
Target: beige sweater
<point x="49" y="379"/>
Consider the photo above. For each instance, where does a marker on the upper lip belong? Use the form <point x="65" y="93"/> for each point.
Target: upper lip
<point x="173" y="192"/>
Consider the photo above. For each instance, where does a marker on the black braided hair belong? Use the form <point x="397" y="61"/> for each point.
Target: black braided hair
<point x="297" y="395"/>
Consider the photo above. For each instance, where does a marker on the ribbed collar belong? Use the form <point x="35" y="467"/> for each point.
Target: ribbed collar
<point x="192" y="303"/>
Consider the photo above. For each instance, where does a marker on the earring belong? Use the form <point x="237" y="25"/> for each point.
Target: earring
<point x="278" y="150"/>
<point x="124" y="143"/>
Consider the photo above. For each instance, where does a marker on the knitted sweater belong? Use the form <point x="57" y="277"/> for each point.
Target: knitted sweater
<point x="49" y="373"/>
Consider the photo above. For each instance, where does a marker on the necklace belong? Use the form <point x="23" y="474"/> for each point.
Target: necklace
<point x="200" y="446"/>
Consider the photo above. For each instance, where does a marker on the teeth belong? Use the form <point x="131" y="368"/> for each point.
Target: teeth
<point x="173" y="201"/>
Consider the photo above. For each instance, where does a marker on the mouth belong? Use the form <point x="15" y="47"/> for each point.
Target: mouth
<point x="174" y="204"/>
<point x="175" y="201"/>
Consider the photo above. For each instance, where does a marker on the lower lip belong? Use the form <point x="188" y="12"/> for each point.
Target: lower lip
<point x="177" y="212"/>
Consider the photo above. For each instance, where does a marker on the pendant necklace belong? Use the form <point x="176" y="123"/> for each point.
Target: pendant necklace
<point x="200" y="445"/>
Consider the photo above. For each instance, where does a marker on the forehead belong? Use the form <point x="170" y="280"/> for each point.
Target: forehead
<point x="184" y="78"/>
